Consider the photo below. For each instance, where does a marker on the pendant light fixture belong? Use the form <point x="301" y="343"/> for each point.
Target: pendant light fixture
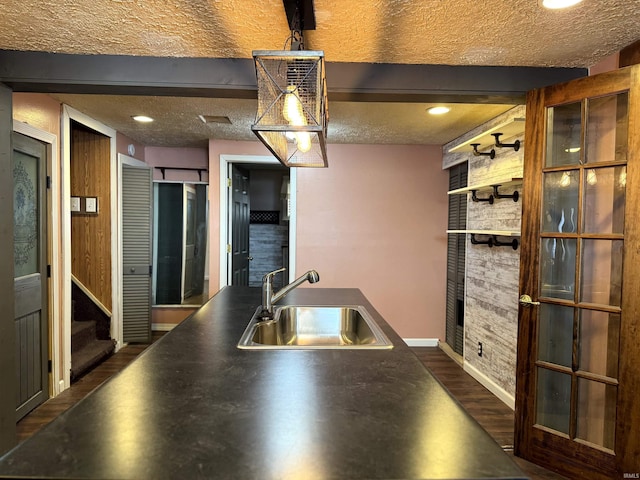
<point x="292" y="111"/>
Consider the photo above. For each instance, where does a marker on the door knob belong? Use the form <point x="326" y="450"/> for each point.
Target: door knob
<point x="249" y="258"/>
<point x="526" y="301"/>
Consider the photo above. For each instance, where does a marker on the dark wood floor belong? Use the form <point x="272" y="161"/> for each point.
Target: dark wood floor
<point x="53" y="407"/>
<point x="489" y="411"/>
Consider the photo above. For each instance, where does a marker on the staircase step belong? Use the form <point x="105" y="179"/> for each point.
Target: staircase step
<point x="82" y="334"/>
<point x="89" y="356"/>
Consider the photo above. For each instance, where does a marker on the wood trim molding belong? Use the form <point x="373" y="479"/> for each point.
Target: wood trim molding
<point x="8" y="437"/>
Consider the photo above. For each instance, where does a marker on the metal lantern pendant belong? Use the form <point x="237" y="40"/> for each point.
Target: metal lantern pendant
<point x="292" y="106"/>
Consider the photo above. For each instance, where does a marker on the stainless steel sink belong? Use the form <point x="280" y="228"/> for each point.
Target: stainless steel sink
<point x="315" y="327"/>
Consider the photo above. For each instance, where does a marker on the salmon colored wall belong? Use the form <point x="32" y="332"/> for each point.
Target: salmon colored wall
<point x="374" y="220"/>
<point x="217" y="148"/>
<point x="178" y="157"/>
<point x="38" y="110"/>
<point x="606" y="65"/>
<point x="122" y="146"/>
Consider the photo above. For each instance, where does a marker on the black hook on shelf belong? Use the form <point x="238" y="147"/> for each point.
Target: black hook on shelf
<point x="515" y="195"/>
<point x="513" y="243"/>
<point x="476" y="153"/>
<point x="475" y="198"/>
<point x="489" y="241"/>
<point x="515" y="145"/>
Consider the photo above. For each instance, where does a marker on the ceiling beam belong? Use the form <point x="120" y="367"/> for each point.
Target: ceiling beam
<point x="300" y="14"/>
<point x="235" y="78"/>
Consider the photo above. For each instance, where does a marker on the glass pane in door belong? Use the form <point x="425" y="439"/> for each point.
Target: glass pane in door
<point x="607" y="128"/>
<point x="25" y="214"/>
<point x="553" y="400"/>
<point x="558" y="267"/>
<point x="564" y="135"/>
<point x="601" y="271"/>
<point x="599" y="339"/>
<point x="596" y="413"/>
<point x="555" y="334"/>
<point x="604" y="199"/>
<point x="560" y="204"/>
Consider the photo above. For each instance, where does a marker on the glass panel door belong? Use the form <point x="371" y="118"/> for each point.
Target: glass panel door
<point x="580" y="283"/>
<point x="30" y="286"/>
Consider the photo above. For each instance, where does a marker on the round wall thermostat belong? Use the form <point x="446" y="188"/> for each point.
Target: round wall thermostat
<point x="131" y="149"/>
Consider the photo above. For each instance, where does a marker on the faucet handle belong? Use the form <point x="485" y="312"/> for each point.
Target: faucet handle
<point x="268" y="276"/>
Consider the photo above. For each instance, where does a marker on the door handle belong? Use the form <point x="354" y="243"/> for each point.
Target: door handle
<point x="526" y="301"/>
<point x="249" y="258"/>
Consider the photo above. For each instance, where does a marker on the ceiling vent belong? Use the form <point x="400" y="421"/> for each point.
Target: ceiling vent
<point x="214" y="119"/>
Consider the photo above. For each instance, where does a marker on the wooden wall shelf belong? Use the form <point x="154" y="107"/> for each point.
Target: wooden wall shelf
<point x="500" y="233"/>
<point x="508" y="129"/>
<point x="487" y="187"/>
<point x="492" y="187"/>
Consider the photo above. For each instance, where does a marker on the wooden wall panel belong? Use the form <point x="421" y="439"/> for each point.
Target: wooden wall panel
<point x="91" y="233"/>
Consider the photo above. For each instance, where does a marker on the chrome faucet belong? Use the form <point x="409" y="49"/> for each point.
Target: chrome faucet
<point x="269" y="298"/>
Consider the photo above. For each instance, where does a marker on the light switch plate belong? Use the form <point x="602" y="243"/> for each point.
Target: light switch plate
<point x="91" y="205"/>
<point x="75" y="204"/>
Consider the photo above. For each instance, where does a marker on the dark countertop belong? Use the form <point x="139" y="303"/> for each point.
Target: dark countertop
<point x="195" y="406"/>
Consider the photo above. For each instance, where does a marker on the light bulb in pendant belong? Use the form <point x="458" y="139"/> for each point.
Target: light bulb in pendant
<point x="293" y="107"/>
<point x="303" y="141"/>
<point x="295" y="116"/>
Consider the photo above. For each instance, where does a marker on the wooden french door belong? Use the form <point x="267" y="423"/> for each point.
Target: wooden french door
<point x="578" y="387"/>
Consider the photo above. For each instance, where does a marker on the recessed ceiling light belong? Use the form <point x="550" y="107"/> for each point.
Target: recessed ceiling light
<point x="142" y="118"/>
<point x="557" y="4"/>
<point x="438" y="110"/>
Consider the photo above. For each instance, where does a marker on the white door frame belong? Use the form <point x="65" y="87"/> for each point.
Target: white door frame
<point x="69" y="114"/>
<point x="225" y="218"/>
<point x="53" y="246"/>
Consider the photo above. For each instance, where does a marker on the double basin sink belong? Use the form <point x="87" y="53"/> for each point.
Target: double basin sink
<point x="314" y="327"/>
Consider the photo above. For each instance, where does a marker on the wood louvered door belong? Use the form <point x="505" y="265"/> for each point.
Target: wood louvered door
<point x="577" y="405"/>
<point x="136" y="251"/>
<point x="456" y="259"/>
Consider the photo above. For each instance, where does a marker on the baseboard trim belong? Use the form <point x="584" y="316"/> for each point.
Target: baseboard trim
<point x="456" y="357"/>
<point x="508" y="399"/>
<point x="421" y="342"/>
<point x="163" y="327"/>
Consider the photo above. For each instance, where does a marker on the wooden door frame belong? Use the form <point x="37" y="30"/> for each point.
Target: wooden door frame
<point x="627" y="445"/>
<point x="70" y="114"/>
<point x="225" y="219"/>
<point x="53" y="248"/>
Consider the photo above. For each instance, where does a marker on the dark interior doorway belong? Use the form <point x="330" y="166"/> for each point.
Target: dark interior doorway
<point x="269" y="210"/>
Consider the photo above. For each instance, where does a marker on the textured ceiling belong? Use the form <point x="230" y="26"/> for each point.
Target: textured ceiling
<point x="486" y="32"/>
<point x="177" y="122"/>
